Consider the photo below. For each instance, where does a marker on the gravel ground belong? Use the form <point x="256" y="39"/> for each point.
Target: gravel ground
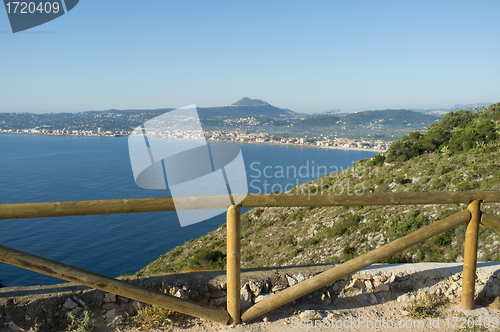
<point x="389" y="316"/>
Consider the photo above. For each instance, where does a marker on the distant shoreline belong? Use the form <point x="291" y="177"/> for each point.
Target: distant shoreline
<point x="309" y="146"/>
<point x="303" y="146"/>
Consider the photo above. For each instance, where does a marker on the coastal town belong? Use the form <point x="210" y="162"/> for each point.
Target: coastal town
<point x="228" y="136"/>
<point x="320" y="142"/>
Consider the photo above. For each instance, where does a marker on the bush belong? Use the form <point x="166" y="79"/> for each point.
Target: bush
<point x="207" y="259"/>
<point x="467" y="186"/>
<point x="348" y="253"/>
<point x="444" y="239"/>
<point x="403" y="150"/>
<point x="445" y="170"/>
<point x="411" y="222"/>
<point x="400" y="179"/>
<point x="396" y="259"/>
<point x="377" y="160"/>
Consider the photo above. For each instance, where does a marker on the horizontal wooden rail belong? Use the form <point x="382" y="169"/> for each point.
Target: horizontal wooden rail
<point x="490" y="221"/>
<point x="122" y="288"/>
<point x="309" y="285"/>
<point x="156" y="204"/>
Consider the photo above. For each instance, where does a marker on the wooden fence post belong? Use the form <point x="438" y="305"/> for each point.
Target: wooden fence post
<point x="233" y="264"/>
<point x="470" y="256"/>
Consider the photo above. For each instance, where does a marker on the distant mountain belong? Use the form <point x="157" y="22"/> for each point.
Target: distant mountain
<point x="250" y="102"/>
<point x="443" y="111"/>
<point x="469" y="107"/>
<point x="317" y="120"/>
<point x="243" y="108"/>
<point x="264" y="113"/>
<point x="387" y="117"/>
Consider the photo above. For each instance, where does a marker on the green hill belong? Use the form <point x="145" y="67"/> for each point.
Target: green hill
<point x="243" y="112"/>
<point x="245" y="107"/>
<point x="250" y="102"/>
<point x="456" y="132"/>
<point x="297" y="236"/>
<point x="317" y="120"/>
<point x="388" y="117"/>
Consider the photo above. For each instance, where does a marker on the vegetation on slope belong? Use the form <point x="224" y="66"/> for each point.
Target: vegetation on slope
<point x="456" y="132"/>
<point x="297" y="236"/>
<point x="388" y="117"/>
<point x="318" y="120"/>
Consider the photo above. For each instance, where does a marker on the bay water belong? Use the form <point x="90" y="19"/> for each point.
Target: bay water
<point x="67" y="168"/>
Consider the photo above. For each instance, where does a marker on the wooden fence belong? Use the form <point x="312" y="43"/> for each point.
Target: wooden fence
<point x="471" y="216"/>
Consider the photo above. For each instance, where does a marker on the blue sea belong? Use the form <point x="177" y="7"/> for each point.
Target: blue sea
<point x="65" y="168"/>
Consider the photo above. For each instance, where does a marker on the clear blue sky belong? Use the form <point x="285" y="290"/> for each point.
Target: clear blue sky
<point x="306" y="56"/>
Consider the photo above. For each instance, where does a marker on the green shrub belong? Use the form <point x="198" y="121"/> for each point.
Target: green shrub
<point x="396" y="259"/>
<point x="467" y="186"/>
<point x="400" y="179"/>
<point x="377" y="160"/>
<point x="444" y="239"/>
<point x="207" y="259"/>
<point x="445" y="170"/>
<point x="348" y="253"/>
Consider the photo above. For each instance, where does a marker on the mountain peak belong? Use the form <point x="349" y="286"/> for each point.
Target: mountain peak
<point x="250" y="102"/>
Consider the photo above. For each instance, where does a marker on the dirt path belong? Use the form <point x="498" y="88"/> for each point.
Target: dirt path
<point x="389" y="316"/>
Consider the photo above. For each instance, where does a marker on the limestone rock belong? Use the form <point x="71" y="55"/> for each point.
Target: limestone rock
<point x="291" y="281"/>
<point x="218" y="301"/>
<point x="362" y="276"/>
<point x="109" y="297"/>
<point x="381" y="288"/>
<point x="299" y="277"/>
<point x="261" y="297"/>
<point x="310" y="314"/>
<point x="79" y="301"/>
<point x="13" y="326"/>
<point x="245" y="298"/>
<point x="69" y="304"/>
<point x="255" y="287"/>
<point x="136" y="305"/>
<point x="180" y="293"/>
<point x="405" y="298"/>
<point x="356" y="283"/>
<point x="494" y="290"/>
<point x="111" y="314"/>
<point x="76" y="311"/>
<point x="277" y="288"/>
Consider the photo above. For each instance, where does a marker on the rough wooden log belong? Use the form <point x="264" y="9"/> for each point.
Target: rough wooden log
<point x="107" y="284"/>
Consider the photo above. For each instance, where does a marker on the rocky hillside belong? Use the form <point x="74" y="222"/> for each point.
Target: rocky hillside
<point x="298" y="236"/>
